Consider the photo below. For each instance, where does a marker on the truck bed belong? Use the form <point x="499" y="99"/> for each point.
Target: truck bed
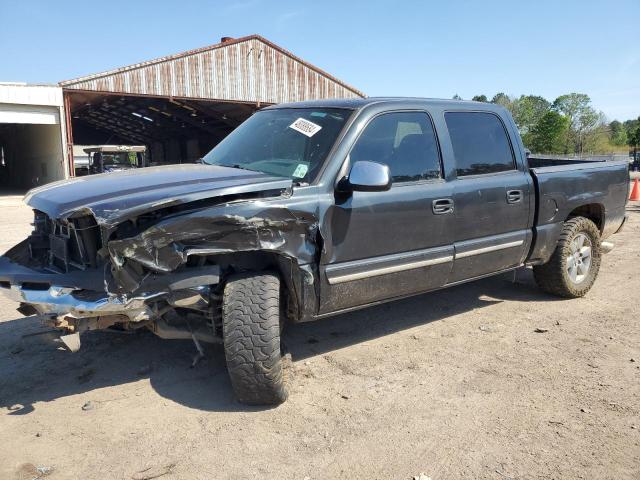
<point x="598" y="189"/>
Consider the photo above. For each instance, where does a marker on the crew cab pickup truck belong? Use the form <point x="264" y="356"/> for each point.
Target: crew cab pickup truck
<point x="309" y="210"/>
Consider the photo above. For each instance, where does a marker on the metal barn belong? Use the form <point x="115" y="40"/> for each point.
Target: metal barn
<point x="182" y="105"/>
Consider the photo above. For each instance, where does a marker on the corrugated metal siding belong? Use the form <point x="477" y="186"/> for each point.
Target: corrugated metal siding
<point x="250" y="70"/>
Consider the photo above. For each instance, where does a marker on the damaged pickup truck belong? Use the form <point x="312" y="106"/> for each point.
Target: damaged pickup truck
<point x="308" y="210"/>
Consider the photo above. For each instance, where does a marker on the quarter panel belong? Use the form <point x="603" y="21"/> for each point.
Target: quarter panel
<point x="562" y="189"/>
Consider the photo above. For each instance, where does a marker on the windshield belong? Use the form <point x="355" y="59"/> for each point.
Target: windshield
<point x="288" y="142"/>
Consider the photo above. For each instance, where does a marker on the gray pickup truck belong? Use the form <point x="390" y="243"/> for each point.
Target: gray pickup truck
<point x="309" y="210"/>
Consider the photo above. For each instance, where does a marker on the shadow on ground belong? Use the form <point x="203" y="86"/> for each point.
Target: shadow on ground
<point x="33" y="369"/>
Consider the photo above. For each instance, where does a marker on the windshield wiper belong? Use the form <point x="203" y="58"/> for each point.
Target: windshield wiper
<point x="235" y="165"/>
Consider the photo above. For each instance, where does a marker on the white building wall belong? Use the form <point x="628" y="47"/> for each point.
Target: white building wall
<point x="33" y="114"/>
<point x="37" y="147"/>
<point x="24" y="94"/>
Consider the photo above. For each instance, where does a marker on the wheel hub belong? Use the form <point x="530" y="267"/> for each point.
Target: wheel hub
<point x="579" y="260"/>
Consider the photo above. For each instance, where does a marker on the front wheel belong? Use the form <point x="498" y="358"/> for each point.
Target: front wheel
<point x="572" y="269"/>
<point x="251" y="314"/>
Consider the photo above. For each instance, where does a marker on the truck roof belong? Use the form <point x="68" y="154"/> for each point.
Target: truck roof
<point x="358" y="103"/>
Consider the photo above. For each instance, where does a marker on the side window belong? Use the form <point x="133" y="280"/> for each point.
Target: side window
<point x="480" y="143"/>
<point x="405" y="141"/>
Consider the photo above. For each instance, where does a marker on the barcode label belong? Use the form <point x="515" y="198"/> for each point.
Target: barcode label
<point x="305" y="127"/>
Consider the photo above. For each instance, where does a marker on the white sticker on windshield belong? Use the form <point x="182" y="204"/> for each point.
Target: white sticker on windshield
<point x="305" y="127"/>
<point x="301" y="170"/>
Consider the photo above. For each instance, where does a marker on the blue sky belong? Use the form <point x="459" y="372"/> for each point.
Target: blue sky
<point x="407" y="48"/>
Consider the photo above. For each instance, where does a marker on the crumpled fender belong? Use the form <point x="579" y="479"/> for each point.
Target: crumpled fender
<point x="227" y="228"/>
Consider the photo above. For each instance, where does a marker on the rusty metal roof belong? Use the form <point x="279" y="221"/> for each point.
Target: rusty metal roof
<point x="249" y="69"/>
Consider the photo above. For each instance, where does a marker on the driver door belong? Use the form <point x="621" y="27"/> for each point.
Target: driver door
<point x="392" y="243"/>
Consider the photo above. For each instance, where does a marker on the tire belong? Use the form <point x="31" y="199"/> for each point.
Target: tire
<point x="564" y="274"/>
<point x="251" y="314"/>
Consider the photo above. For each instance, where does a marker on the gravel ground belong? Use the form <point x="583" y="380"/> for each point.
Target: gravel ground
<point x="453" y="384"/>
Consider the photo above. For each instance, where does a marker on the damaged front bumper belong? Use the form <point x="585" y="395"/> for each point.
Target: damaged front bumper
<point x="62" y="301"/>
<point x="83" y="294"/>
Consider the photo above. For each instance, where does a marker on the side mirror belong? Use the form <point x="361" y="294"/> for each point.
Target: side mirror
<point x="366" y="177"/>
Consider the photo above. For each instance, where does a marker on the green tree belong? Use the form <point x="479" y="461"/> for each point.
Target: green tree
<point x="480" y="98"/>
<point x="618" y="133"/>
<point x="598" y="139"/>
<point x="630" y="127"/>
<point x="502" y="99"/>
<point x="583" y="119"/>
<point x="549" y="134"/>
<point x="528" y="110"/>
<point x="633" y="134"/>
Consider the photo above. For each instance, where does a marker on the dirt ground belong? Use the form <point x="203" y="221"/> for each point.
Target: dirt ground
<point x="453" y="384"/>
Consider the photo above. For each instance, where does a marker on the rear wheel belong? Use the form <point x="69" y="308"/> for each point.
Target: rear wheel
<point x="251" y="314"/>
<point x="572" y="269"/>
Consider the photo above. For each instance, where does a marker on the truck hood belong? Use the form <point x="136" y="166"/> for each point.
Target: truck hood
<point x="114" y="197"/>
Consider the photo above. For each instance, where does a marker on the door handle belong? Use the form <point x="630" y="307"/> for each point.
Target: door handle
<point x="442" y="206"/>
<point x="514" y="196"/>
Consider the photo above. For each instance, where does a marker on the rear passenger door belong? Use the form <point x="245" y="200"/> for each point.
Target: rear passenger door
<point x="397" y="242"/>
<point x="491" y="195"/>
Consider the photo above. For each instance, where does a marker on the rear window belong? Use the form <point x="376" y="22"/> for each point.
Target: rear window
<point x="480" y="143"/>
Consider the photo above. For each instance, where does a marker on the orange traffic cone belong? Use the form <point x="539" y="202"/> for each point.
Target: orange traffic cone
<point x="635" y="191"/>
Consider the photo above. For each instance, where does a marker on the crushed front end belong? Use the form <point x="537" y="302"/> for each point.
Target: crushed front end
<point x="151" y="248"/>
<point x="64" y="272"/>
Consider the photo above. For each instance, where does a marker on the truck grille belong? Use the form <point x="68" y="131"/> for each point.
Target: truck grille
<point x="64" y="245"/>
